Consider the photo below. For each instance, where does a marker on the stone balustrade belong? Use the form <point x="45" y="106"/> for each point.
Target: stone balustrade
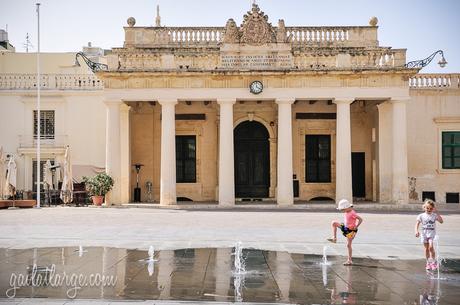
<point x="173" y="36"/>
<point x="435" y="81"/>
<point x="13" y="81"/>
<point x="26" y="141"/>
<point x="352" y="36"/>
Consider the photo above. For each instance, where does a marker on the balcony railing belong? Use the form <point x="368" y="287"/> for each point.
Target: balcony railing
<point x="16" y="81"/>
<point x="46" y="140"/>
<point x="435" y="81"/>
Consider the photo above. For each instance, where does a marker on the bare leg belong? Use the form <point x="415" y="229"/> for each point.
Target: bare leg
<point x="427" y="250"/>
<point x="350" y="250"/>
<point x="335" y="225"/>
<point x="431" y="249"/>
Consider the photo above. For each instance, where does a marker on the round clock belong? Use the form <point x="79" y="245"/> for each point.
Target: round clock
<point x="256" y="87"/>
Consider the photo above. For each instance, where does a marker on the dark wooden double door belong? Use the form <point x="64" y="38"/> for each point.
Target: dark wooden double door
<point x="252" y="160"/>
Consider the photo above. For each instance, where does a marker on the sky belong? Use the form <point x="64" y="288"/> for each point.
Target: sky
<point x="420" y="26"/>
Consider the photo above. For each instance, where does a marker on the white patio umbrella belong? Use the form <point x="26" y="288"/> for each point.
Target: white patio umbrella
<point x="10" y="182"/>
<point x="2" y="172"/>
<point x="48" y="179"/>
<point x="67" y="183"/>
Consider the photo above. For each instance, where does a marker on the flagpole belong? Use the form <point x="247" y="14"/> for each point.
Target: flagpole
<point x="38" y="106"/>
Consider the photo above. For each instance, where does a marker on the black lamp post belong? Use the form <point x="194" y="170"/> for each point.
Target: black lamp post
<point x="137" y="189"/>
<point x="424" y="62"/>
<point x="94" y="66"/>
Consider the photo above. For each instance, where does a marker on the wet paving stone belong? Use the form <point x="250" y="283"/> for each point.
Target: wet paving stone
<point x="210" y="274"/>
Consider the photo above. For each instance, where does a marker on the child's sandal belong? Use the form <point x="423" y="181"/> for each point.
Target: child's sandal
<point x="332" y="240"/>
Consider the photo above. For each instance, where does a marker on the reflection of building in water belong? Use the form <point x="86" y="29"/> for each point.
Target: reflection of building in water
<point x="165" y="270"/>
<point x="282" y="274"/>
<point x="222" y="269"/>
<point x="235" y="112"/>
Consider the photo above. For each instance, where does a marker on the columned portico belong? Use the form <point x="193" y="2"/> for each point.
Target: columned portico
<point x="168" y="153"/>
<point x="400" y="189"/>
<point x="284" y="193"/>
<point x="226" y="157"/>
<point x="251" y="149"/>
<point x="113" y="151"/>
<point x="343" y="178"/>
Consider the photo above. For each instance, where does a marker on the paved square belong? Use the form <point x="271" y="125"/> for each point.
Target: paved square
<point x="194" y="261"/>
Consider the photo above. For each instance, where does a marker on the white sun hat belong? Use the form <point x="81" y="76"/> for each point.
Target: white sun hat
<point x="344" y="204"/>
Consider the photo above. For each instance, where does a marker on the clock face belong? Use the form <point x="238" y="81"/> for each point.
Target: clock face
<point x="256" y="87"/>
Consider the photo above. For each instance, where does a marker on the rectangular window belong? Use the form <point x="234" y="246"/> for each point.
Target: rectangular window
<point x="185" y="159"/>
<point x="428" y="195"/>
<point x="452" y="198"/>
<point x="451" y="149"/>
<point x="318" y="158"/>
<point x="46" y="124"/>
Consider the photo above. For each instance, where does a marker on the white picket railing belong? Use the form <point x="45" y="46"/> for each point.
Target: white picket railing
<point x="17" y="81"/>
<point x="435" y="81"/>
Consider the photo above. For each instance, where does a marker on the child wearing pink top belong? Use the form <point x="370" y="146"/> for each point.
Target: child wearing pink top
<point x="349" y="227"/>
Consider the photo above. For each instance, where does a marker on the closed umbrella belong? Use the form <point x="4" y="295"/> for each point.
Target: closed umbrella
<point x="2" y="172"/>
<point x="10" y="182"/>
<point x="67" y="183"/>
<point x="48" y="180"/>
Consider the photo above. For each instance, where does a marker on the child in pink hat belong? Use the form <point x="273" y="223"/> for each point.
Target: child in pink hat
<point x="349" y="227"/>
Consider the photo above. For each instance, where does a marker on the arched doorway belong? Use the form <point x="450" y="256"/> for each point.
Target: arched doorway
<point x="252" y="160"/>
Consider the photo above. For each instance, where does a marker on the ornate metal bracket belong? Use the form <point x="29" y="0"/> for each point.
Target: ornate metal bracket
<point x="94" y="66"/>
<point x="424" y="62"/>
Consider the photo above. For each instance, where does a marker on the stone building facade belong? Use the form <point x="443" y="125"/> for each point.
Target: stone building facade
<point x="278" y="113"/>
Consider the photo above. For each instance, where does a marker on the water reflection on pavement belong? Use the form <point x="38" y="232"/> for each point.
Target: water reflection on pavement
<point x="208" y="274"/>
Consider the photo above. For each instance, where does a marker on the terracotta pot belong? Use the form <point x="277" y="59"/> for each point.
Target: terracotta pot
<point x="97" y="200"/>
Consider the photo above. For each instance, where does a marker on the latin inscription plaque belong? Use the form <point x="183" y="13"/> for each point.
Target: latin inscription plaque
<point x="258" y="61"/>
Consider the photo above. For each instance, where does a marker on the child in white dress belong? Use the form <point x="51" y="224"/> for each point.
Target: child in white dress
<point x="428" y="221"/>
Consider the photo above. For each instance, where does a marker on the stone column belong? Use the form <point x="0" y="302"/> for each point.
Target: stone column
<point x="343" y="180"/>
<point x="113" y="151"/>
<point x="125" y="153"/>
<point x="226" y="154"/>
<point x="168" y="153"/>
<point x="385" y="149"/>
<point x="400" y="189"/>
<point x="284" y="192"/>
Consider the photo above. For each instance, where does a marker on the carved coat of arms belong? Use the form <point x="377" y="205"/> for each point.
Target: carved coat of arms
<point x="256" y="29"/>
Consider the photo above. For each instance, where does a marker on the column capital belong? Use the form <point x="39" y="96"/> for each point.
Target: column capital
<point x="287" y="100"/>
<point x="222" y="101"/>
<point x="125" y="108"/>
<point x="165" y="102"/>
<point x="113" y="102"/>
<point x="399" y="99"/>
<point x="344" y="100"/>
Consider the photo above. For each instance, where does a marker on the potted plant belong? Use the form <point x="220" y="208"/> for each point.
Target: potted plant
<point x="97" y="186"/>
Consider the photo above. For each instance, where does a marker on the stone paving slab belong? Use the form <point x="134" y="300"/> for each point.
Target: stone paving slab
<point x="382" y="235"/>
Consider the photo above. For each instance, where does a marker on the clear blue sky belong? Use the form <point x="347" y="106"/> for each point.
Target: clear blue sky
<point x="421" y="26"/>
